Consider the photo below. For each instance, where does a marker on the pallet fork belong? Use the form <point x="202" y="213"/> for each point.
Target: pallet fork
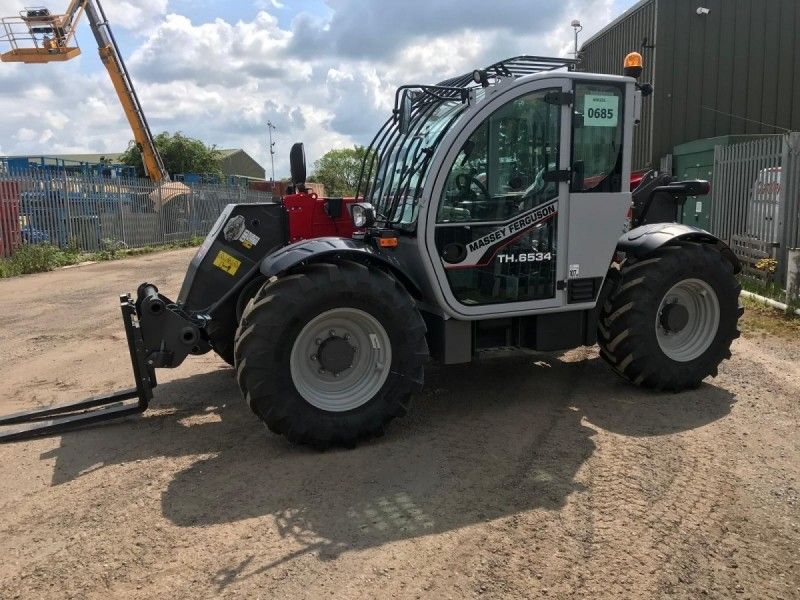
<point x="65" y="417"/>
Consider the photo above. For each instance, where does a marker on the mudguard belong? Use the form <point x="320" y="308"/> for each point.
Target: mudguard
<point x="644" y="240"/>
<point x="331" y="248"/>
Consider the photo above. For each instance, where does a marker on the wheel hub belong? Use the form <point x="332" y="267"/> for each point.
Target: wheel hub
<point x="674" y="317"/>
<point x="336" y="355"/>
<point x="340" y="359"/>
<point x="687" y="320"/>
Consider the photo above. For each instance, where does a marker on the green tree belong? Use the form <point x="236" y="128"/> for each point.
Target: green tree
<point x="338" y="170"/>
<point x="180" y="153"/>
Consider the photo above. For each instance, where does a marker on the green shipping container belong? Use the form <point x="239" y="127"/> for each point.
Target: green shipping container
<point x="695" y="160"/>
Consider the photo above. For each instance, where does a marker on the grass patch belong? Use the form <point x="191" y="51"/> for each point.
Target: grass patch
<point x="40" y="258"/>
<point x="770" y="290"/>
<point x="760" y="319"/>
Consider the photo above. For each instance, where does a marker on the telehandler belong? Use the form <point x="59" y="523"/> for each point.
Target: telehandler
<point x="494" y="210"/>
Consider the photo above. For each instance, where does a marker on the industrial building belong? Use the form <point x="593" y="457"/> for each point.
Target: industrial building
<point x="719" y="68"/>
<point x="234" y="162"/>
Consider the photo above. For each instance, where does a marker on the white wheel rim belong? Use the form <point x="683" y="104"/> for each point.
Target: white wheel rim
<point x="697" y="335"/>
<point x="354" y="385"/>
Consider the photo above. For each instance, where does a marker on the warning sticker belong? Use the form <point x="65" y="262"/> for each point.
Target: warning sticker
<point x="600" y="111"/>
<point x="227" y="263"/>
<point x="249" y="239"/>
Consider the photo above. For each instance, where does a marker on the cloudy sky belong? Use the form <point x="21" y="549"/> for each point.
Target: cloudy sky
<point x="323" y="71"/>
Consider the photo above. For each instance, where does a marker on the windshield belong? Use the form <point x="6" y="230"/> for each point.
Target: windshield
<point x="399" y="163"/>
<point x="396" y="164"/>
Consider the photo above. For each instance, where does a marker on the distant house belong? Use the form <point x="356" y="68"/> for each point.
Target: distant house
<point x="92" y="159"/>
<point x="235" y="161"/>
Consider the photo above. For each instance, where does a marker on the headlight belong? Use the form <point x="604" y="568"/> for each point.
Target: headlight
<point x="363" y="214"/>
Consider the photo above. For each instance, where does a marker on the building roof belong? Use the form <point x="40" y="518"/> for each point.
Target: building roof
<point x="114" y="156"/>
<point x="235" y="161"/>
<point x="81" y="158"/>
<point x="627" y="13"/>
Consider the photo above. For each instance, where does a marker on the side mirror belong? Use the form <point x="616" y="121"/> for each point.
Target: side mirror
<point x="297" y="164"/>
<point x="362" y="214"/>
<point x="404" y="113"/>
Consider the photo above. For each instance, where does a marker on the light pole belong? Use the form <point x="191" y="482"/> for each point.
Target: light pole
<point x="576" y="25"/>
<point x="270" y="127"/>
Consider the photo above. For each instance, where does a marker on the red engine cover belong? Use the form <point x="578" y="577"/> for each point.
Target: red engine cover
<point x="309" y="218"/>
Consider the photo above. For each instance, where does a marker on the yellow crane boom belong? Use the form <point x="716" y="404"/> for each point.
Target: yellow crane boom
<point x="38" y="36"/>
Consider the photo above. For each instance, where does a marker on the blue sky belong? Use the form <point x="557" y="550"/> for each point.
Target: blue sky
<point x="323" y="71"/>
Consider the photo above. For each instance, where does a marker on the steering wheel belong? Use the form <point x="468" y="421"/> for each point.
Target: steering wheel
<point x="464" y="184"/>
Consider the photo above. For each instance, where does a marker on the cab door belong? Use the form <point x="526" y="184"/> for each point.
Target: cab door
<point x="599" y="194"/>
<point x="493" y="228"/>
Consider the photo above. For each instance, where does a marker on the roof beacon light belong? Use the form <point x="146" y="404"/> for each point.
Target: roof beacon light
<point x="633" y="65"/>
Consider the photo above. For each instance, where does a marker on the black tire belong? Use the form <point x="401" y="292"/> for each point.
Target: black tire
<point x="222" y="331"/>
<point x="627" y="332"/>
<point x="274" y="318"/>
<point x="223" y="345"/>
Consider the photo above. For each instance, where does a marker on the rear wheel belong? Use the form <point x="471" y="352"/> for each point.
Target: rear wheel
<point x="672" y="318"/>
<point x="331" y="353"/>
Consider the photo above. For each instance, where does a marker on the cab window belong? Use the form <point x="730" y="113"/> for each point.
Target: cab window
<point x="597" y="138"/>
<point x="499" y="171"/>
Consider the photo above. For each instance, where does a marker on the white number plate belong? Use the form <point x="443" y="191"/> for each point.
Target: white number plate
<point x="600" y="111"/>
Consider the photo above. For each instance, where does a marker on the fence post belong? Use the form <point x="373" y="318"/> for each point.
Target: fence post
<point x="121" y="212"/>
<point x="787" y="200"/>
<point x="793" y="275"/>
<point x="161" y="212"/>
<point x="67" y="210"/>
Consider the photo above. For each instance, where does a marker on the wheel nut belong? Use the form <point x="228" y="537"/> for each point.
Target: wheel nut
<point x="332" y="333"/>
<point x="317" y="341"/>
<point x="322" y="371"/>
<point x="346" y="336"/>
<point x="313" y="357"/>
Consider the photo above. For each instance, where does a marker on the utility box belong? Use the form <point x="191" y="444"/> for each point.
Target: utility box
<point x="695" y="160"/>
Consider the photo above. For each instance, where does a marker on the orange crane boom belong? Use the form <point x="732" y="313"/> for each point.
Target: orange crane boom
<point x="37" y="36"/>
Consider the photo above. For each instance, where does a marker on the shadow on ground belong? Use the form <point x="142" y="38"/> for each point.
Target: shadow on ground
<point x="483" y="441"/>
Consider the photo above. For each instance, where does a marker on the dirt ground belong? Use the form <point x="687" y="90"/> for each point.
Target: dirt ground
<point x="515" y="477"/>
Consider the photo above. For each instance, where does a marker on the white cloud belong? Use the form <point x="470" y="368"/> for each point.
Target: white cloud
<point x="137" y="16"/>
<point x="326" y="81"/>
<point x="25" y="134"/>
<point x="266" y="4"/>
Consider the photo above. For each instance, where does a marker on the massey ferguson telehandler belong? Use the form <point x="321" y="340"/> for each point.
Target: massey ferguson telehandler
<point x="493" y="211"/>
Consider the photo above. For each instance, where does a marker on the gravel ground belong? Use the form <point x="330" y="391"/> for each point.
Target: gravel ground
<point x="514" y="477"/>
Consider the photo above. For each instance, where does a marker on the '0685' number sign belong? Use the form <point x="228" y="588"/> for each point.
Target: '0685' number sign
<point x="600" y="111"/>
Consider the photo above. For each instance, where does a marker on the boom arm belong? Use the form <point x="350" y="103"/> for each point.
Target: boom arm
<point x="37" y="36"/>
<point x="112" y="59"/>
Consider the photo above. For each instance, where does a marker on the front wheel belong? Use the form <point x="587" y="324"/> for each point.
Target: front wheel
<point x="672" y="318"/>
<point x="331" y="353"/>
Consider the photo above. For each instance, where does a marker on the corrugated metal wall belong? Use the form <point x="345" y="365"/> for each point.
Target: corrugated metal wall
<point x="735" y="70"/>
<point x="605" y="54"/>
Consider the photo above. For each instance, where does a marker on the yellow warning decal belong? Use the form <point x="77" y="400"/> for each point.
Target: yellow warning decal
<point x="227" y="263"/>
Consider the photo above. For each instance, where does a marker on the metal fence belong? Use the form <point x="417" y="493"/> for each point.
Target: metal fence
<point x="86" y="212"/>
<point x="757" y="198"/>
